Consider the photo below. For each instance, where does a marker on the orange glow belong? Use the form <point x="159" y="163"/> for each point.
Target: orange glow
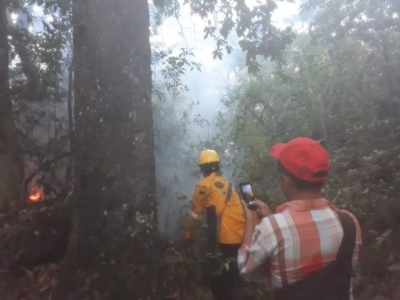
<point x="36" y="194"/>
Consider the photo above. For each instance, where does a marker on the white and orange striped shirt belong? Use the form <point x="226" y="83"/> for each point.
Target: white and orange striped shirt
<point x="302" y="237"/>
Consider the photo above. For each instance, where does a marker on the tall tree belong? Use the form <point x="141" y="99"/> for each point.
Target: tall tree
<point x="112" y="251"/>
<point x="10" y="159"/>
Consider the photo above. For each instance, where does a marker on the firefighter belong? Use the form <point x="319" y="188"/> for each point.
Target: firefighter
<point x="215" y="190"/>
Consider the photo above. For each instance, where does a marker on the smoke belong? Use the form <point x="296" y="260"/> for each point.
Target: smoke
<point x="176" y="162"/>
<point x="176" y="159"/>
<point x="184" y="124"/>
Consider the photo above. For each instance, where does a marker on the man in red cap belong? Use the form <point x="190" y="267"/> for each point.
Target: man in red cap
<point x="308" y="247"/>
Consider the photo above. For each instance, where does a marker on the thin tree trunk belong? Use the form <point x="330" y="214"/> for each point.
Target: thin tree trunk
<point x="113" y="249"/>
<point x="391" y="104"/>
<point x="11" y="174"/>
<point x="68" y="172"/>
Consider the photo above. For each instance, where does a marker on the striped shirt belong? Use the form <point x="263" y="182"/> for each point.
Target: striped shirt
<point x="301" y="238"/>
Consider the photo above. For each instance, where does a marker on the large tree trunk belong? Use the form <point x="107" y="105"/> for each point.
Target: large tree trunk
<point x="11" y="173"/>
<point x="113" y="245"/>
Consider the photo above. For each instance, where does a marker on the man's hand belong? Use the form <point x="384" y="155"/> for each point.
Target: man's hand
<point x="255" y="216"/>
<point x="262" y="209"/>
<point x="250" y="216"/>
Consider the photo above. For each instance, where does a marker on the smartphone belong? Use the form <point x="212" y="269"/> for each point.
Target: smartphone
<point x="247" y="194"/>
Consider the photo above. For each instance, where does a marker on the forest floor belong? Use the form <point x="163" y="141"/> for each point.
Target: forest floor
<point x="34" y="241"/>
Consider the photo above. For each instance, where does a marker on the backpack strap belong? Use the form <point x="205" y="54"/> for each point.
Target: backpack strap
<point x="214" y="236"/>
<point x="346" y="249"/>
<point x="334" y="280"/>
<point x="228" y="193"/>
<point x="227" y="199"/>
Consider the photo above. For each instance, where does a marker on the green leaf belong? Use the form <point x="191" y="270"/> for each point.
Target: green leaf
<point x="215" y="53"/>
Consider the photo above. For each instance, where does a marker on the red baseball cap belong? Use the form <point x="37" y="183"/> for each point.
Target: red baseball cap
<point x="304" y="158"/>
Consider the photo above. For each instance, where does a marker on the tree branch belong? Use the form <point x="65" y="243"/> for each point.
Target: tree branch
<point x="253" y="113"/>
<point x="46" y="164"/>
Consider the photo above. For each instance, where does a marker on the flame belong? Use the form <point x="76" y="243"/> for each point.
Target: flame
<point x="36" y="194"/>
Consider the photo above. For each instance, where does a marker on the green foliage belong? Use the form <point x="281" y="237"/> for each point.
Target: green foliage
<point x="38" y="69"/>
<point x="174" y="67"/>
<point x="258" y="36"/>
<point x="338" y="83"/>
<point x="340" y="86"/>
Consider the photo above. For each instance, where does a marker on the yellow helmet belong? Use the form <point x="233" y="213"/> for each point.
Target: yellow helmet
<point x="208" y="156"/>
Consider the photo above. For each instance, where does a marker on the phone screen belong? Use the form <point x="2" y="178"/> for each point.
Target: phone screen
<point x="247" y="192"/>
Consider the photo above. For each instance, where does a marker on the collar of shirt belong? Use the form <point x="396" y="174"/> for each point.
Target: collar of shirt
<point x="214" y="174"/>
<point x="304" y="205"/>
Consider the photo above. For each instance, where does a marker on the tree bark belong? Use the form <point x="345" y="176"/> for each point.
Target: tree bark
<point x="11" y="174"/>
<point x="68" y="172"/>
<point x="113" y="245"/>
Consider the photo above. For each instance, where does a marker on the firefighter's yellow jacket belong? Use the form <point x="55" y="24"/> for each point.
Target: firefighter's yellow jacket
<point x="213" y="190"/>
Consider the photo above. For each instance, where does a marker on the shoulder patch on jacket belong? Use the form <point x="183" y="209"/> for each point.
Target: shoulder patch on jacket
<point x="218" y="184"/>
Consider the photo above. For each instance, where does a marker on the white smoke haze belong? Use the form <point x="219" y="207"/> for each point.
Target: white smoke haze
<point x="176" y="157"/>
<point x="206" y="88"/>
